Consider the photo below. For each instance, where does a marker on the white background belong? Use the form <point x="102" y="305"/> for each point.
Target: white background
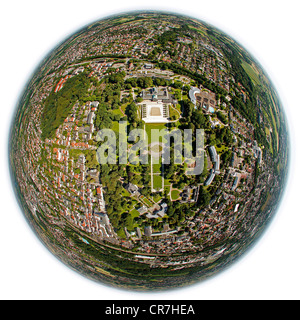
<point x="268" y="29"/>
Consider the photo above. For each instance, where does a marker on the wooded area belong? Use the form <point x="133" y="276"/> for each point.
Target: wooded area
<point x="58" y="105"/>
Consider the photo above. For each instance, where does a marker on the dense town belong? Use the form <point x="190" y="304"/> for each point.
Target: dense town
<point x="61" y="182"/>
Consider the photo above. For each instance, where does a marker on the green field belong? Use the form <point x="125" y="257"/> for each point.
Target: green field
<point x="157" y="182"/>
<point x="117" y="112"/>
<point x="175" y="194"/>
<point x="251" y="72"/>
<point x="150" y="126"/>
<point x="156" y="168"/>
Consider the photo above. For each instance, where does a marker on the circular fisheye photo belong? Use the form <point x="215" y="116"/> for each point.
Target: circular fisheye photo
<point x="149" y="151"/>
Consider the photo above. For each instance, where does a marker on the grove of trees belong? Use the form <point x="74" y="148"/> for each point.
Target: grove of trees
<point x="58" y="105"/>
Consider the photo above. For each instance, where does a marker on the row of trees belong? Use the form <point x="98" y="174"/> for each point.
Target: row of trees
<point x="199" y="78"/>
<point x="131" y="112"/>
<point x="146" y="82"/>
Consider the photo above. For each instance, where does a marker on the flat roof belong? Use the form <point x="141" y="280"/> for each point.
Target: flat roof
<point x="192" y="93"/>
<point x="154" y="112"/>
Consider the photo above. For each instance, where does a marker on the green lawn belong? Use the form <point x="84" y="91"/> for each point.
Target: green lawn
<point x="134" y="213"/>
<point x="117" y="112"/>
<point x="150" y="126"/>
<point x="175" y="194"/>
<point x="156" y="168"/>
<point x="167" y="188"/>
<point x="115" y="126"/>
<point x="125" y="193"/>
<point x="157" y="182"/>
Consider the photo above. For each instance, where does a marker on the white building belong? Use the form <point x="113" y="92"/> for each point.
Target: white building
<point x="192" y="93"/>
<point x="155" y="112"/>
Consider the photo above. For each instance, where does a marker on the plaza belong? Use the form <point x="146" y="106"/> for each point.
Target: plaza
<point x="154" y="112"/>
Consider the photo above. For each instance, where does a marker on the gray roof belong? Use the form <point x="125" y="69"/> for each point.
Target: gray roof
<point x="192" y="92"/>
<point x="210" y="179"/>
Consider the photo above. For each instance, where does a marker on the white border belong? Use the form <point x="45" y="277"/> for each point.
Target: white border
<point x="269" y="30"/>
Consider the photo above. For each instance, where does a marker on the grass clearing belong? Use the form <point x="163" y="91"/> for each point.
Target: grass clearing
<point x="134" y="213"/>
<point x="117" y="112"/>
<point x="115" y="126"/>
